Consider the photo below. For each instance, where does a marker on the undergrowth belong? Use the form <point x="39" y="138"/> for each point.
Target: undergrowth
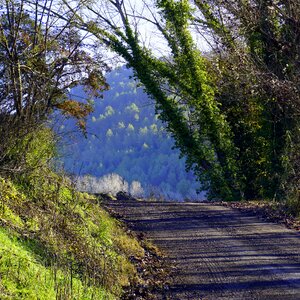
<point x="57" y="243"/>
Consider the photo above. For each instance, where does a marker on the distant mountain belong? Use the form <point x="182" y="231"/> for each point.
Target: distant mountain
<point x="125" y="137"/>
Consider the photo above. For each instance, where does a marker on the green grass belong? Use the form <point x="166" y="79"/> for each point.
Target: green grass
<point x="24" y="276"/>
<point x="56" y="243"/>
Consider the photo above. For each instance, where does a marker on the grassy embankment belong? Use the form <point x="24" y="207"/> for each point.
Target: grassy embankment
<point x="57" y="243"/>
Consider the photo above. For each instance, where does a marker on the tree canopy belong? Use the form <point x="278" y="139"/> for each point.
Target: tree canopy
<point x="233" y="110"/>
<point x="41" y="57"/>
<point x="125" y="137"/>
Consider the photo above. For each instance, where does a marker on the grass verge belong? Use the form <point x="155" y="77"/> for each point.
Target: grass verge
<point x="56" y="243"/>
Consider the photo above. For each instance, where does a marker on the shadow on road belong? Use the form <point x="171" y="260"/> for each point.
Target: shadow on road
<point x="219" y="253"/>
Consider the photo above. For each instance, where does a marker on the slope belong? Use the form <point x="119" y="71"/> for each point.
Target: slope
<point x="57" y="243"/>
<point x="126" y="137"/>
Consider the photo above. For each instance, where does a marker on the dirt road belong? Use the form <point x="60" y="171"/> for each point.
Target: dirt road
<point x="220" y="253"/>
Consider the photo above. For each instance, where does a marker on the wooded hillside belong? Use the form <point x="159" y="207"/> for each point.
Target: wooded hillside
<point x="125" y="137"/>
<point x="225" y="79"/>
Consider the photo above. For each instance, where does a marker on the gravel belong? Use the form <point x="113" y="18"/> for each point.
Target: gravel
<point x="216" y="252"/>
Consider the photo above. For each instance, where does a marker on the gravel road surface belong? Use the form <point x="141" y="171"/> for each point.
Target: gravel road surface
<point x="219" y="253"/>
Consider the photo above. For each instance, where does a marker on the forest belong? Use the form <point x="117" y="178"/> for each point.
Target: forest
<point x="224" y="78"/>
<point x="126" y="138"/>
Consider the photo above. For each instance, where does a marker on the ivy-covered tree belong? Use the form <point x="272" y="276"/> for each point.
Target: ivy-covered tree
<point x="139" y="155"/>
<point x="233" y="113"/>
<point x="188" y="106"/>
<point x="258" y="73"/>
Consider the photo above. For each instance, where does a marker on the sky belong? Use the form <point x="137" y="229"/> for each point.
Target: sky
<point x="138" y="11"/>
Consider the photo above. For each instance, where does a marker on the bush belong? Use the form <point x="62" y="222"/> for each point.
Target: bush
<point x="74" y="248"/>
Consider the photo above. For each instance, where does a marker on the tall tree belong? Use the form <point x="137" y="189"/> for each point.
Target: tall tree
<point x="183" y="92"/>
<point x="266" y="45"/>
<point x="41" y="57"/>
<point x="241" y="145"/>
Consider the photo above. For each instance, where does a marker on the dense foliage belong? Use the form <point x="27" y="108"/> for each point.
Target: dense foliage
<point x="258" y="83"/>
<point x="57" y="243"/>
<point x="125" y="137"/>
<point x="41" y="57"/>
<point x="232" y="112"/>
